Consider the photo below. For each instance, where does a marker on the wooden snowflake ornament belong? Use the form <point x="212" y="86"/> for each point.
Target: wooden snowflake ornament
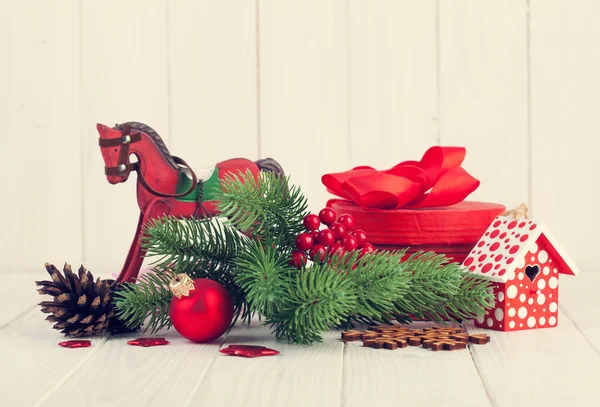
<point x="524" y="261"/>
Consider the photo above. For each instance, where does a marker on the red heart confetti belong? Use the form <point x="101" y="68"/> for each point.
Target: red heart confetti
<point x="248" y="351"/>
<point x="147" y="342"/>
<point x="232" y="349"/>
<point x="76" y="343"/>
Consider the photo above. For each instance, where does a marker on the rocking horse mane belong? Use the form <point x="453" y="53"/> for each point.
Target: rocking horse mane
<point x="154" y="136"/>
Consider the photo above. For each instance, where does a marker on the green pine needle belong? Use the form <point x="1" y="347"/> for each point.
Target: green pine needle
<point x="190" y="244"/>
<point x="264" y="207"/>
<point x="263" y="274"/>
<point x="147" y="300"/>
<point x="317" y="299"/>
<point x="379" y="280"/>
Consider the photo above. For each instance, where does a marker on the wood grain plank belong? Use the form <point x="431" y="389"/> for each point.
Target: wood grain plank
<point x="131" y="375"/>
<point x="412" y="375"/>
<point x="303" y="90"/>
<point x="18" y="294"/>
<point x="541" y="367"/>
<point x="565" y="61"/>
<point x="483" y="93"/>
<point x="213" y="80"/>
<point x="34" y="366"/>
<point x="577" y="299"/>
<point x="298" y="376"/>
<point x="124" y="62"/>
<point x="393" y="81"/>
<point x="39" y="111"/>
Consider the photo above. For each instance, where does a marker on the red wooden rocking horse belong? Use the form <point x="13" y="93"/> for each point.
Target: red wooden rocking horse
<point x="164" y="187"/>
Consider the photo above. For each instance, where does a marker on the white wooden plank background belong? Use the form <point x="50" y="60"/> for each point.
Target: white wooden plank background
<point x="40" y="109"/>
<point x="320" y="86"/>
<point x="303" y="59"/>
<point x="564" y="105"/>
<point x="394" y="378"/>
<point x="212" y="72"/>
<point x="483" y="93"/>
<point x="393" y="90"/>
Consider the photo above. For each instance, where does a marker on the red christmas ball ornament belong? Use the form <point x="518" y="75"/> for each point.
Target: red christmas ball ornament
<point x="360" y="236"/>
<point x="326" y="237"/>
<point x="338" y="230"/>
<point x="327" y="216"/>
<point x="350" y="243"/>
<point x="298" y="259"/>
<point x="304" y="241"/>
<point x="347" y="221"/>
<point x="201" y="310"/>
<point x="312" y="222"/>
<point x="317" y="252"/>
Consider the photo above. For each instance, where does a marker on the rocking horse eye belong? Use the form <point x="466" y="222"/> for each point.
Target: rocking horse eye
<point x="116" y="149"/>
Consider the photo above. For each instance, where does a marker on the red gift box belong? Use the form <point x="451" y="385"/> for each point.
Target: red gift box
<point x="415" y="204"/>
<point x="451" y="230"/>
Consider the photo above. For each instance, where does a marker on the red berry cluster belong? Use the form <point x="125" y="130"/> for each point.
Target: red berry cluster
<point x="339" y="237"/>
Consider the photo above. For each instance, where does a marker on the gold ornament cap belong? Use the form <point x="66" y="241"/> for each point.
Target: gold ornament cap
<point x="181" y="285"/>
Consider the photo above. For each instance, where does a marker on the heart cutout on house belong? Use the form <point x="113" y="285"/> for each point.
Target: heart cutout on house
<point x="532" y="271"/>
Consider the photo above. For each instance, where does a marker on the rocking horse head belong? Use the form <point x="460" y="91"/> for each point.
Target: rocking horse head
<point x="114" y="145"/>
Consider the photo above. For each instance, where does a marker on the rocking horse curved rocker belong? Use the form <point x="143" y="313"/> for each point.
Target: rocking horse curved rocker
<point x="163" y="187"/>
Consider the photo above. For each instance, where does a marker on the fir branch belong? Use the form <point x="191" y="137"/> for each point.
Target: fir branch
<point x="316" y="300"/>
<point x="263" y="207"/>
<point x="203" y="245"/>
<point x="432" y="281"/>
<point x="263" y="273"/>
<point x="149" y="298"/>
<point x="474" y="298"/>
<point x="380" y="287"/>
<point x="379" y="280"/>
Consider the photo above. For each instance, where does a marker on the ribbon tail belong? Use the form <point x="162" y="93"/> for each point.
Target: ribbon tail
<point x="452" y="187"/>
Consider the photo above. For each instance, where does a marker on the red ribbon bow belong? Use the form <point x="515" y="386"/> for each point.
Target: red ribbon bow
<point x="436" y="180"/>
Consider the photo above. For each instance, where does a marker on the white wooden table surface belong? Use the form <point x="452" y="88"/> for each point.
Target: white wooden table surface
<point x="557" y="366"/>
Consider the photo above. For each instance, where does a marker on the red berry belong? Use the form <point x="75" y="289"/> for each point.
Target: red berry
<point x="314" y="234"/>
<point x="368" y="248"/>
<point x="336" y="248"/>
<point x="327" y="216"/>
<point x="298" y="259"/>
<point x="304" y="241"/>
<point x="326" y="237"/>
<point x="361" y="236"/>
<point x="350" y="243"/>
<point x="312" y="222"/>
<point x="317" y="252"/>
<point x="347" y="221"/>
<point x="339" y="231"/>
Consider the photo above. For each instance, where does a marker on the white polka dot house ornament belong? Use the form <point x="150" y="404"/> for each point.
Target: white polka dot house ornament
<point x="523" y="261"/>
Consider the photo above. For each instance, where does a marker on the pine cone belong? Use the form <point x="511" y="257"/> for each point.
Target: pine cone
<point x="81" y="307"/>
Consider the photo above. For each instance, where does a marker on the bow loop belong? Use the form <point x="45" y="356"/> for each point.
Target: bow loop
<point x="436" y="180"/>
